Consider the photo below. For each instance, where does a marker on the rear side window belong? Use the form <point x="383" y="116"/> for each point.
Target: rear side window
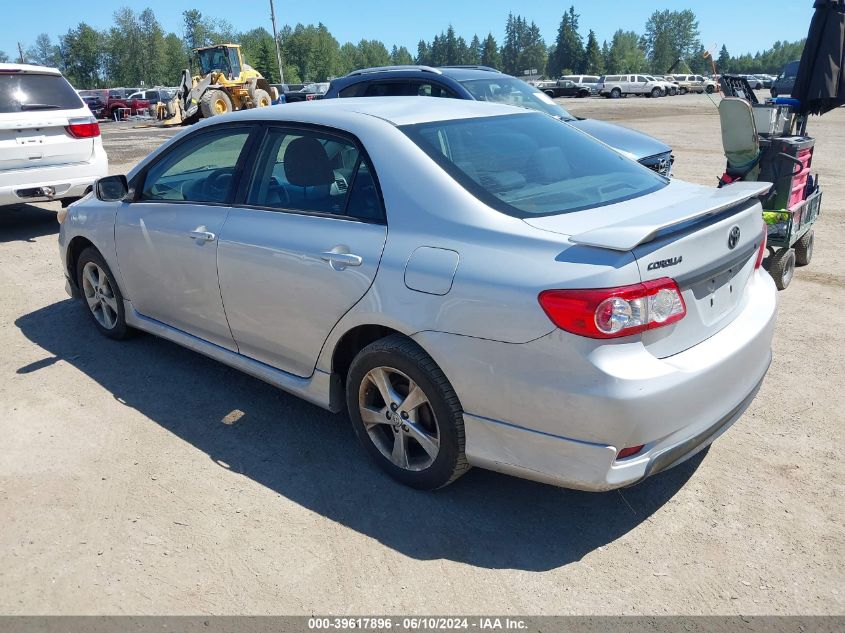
<point x="530" y="164"/>
<point x="355" y="90"/>
<point x="315" y="172"/>
<point x="387" y="89"/>
<point x="24" y="92"/>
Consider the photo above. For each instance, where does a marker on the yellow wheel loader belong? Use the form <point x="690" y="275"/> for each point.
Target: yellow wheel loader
<point x="225" y="83"/>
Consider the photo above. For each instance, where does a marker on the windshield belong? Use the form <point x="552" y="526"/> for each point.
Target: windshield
<point x="212" y="59"/>
<point x="22" y="92"/>
<point x="530" y="165"/>
<point x="504" y="89"/>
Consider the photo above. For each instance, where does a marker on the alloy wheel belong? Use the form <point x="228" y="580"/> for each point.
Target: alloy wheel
<point x="99" y="295"/>
<point x="399" y="418"/>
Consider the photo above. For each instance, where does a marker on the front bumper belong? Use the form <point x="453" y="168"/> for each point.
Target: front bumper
<point x="559" y="409"/>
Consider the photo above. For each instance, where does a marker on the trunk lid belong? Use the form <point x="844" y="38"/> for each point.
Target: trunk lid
<point x="705" y="239"/>
<point x="39" y="139"/>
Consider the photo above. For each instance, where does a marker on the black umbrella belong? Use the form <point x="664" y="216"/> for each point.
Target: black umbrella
<point x="820" y="83"/>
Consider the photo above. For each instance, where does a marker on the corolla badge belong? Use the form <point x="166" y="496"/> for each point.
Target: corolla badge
<point x="665" y="263"/>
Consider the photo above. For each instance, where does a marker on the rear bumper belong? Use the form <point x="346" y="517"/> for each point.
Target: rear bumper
<point x="68" y="181"/>
<point x="560" y="408"/>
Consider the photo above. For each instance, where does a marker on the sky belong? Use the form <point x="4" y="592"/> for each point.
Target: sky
<point x="744" y="26"/>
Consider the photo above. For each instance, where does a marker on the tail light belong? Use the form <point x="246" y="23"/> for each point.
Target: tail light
<point x="762" y="251"/>
<point x="83" y="128"/>
<point x="615" y="312"/>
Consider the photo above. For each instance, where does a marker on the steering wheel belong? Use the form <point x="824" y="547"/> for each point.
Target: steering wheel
<point x="216" y="186"/>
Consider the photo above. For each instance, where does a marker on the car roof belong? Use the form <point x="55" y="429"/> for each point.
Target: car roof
<point x="28" y="69"/>
<point x="393" y="110"/>
<point x="458" y="73"/>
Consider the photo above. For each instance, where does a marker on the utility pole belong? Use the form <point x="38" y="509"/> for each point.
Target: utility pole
<point x="20" y="52"/>
<point x="276" y="42"/>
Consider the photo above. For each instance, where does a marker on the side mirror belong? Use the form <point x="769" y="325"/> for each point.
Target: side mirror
<point x="111" y="188"/>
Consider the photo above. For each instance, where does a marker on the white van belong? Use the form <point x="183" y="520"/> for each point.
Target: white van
<point x="50" y="145"/>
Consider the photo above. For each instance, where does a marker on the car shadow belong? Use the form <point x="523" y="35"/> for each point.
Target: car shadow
<point x="23" y="223"/>
<point x="311" y="457"/>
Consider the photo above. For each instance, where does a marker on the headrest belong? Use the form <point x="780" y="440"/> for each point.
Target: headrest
<point x="306" y="163"/>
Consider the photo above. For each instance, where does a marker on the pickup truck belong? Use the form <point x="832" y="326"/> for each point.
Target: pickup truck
<point x="564" y="88"/>
<point x="119" y="99"/>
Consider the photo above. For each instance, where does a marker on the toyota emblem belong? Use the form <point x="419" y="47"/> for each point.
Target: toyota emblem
<point x="733" y="237"/>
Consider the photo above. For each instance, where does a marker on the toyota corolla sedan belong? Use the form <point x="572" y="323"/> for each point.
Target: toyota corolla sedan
<point x="476" y="284"/>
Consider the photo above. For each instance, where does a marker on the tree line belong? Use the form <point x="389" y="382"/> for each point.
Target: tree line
<point x="135" y="49"/>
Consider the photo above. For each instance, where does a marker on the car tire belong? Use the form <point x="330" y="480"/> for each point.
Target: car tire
<point x="583" y="93"/>
<point x="616" y="93"/>
<point x="214" y="102"/>
<point x="683" y="91"/>
<point x="402" y="441"/>
<point x="804" y="249"/>
<point x="709" y="90"/>
<point x="550" y="94"/>
<point x="656" y="92"/>
<point x="782" y="267"/>
<point x="774" y="93"/>
<point x="102" y="295"/>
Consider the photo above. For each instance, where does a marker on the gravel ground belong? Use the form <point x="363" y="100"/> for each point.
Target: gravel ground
<point x="141" y="478"/>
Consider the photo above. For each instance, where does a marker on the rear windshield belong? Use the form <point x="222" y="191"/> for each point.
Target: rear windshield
<point x="24" y="92"/>
<point x="529" y="165"/>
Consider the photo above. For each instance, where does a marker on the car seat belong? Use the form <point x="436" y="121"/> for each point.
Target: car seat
<point x="739" y="140"/>
<point x="307" y="166"/>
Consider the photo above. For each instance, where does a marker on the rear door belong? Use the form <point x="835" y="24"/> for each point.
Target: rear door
<point x="35" y="110"/>
<point x="302" y="248"/>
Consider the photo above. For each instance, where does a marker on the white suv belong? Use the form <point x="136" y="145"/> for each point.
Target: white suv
<point x="615" y="86"/>
<point x="50" y="145"/>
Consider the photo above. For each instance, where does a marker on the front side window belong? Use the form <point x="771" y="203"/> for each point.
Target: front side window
<point x="315" y="172"/>
<point x="201" y="169"/>
<point x="429" y="89"/>
<point x="530" y="165"/>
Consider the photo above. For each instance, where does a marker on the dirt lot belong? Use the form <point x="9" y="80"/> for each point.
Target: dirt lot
<point x="142" y="478"/>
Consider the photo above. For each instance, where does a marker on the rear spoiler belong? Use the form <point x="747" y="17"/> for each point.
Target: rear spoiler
<point x="627" y="235"/>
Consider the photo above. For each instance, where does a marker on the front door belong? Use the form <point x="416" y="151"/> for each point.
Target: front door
<point x="167" y="239"/>
<point x="303" y="249"/>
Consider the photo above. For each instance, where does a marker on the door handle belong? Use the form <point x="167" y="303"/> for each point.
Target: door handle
<point x="203" y="236"/>
<point x="339" y="261"/>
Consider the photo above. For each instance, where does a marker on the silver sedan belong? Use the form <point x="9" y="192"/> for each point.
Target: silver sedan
<point x="476" y="284"/>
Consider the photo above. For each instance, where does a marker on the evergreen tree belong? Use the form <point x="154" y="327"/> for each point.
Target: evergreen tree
<point x="723" y="64"/>
<point x="474" y="51"/>
<point x="605" y="56"/>
<point x="265" y="61"/>
<point x="490" y="53"/>
<point x="567" y="54"/>
<point x="423" y="53"/>
<point x="594" y="61"/>
<point x="510" y="47"/>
